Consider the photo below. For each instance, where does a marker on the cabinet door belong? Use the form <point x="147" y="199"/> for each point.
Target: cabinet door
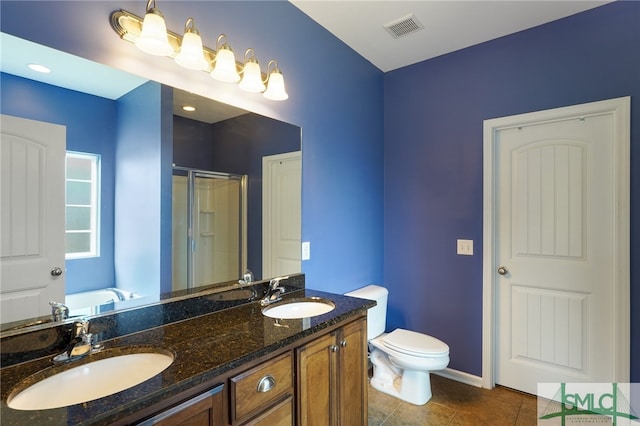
<point x="352" y="374"/>
<point x="316" y="382"/>
<point x="203" y="410"/>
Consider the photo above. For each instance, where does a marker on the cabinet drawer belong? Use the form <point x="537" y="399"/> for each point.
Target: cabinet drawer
<point x="204" y="409"/>
<point x="257" y="388"/>
<point x="280" y="414"/>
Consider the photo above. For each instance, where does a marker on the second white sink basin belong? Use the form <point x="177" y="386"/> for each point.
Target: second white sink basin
<point x="299" y="308"/>
<point x="91" y="381"/>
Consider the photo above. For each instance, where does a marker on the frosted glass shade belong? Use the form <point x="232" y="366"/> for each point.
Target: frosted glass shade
<point x="252" y="78"/>
<point x="275" y="87"/>
<point x="191" y="55"/>
<point x="224" y="68"/>
<point x="153" y="39"/>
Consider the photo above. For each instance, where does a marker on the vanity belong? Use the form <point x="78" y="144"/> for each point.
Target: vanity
<point x="232" y="364"/>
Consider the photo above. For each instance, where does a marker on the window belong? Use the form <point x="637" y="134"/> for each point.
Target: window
<point x="82" y="201"/>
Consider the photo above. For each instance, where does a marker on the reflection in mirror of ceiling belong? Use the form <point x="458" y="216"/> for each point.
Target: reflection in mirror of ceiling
<point x="67" y="71"/>
<point x="206" y="110"/>
<point x="82" y="75"/>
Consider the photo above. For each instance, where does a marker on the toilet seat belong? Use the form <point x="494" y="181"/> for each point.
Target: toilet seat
<point x="414" y="343"/>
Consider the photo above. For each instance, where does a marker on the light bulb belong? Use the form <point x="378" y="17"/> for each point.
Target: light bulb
<point x="224" y="68"/>
<point x="191" y="55"/>
<point x="252" y="77"/>
<point x="275" y="87"/>
<point x="153" y="39"/>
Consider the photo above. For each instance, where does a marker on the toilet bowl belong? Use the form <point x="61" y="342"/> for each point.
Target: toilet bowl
<point x="402" y="359"/>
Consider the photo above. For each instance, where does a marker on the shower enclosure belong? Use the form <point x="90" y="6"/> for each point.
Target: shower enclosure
<point x="209" y="227"/>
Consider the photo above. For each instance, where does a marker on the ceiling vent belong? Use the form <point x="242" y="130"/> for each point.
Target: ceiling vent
<point x="404" y="26"/>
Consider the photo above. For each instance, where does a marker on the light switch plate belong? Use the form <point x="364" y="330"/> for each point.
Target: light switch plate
<point x="306" y="250"/>
<point x="465" y="247"/>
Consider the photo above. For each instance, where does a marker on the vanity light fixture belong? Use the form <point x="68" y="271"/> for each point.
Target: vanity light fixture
<point x="191" y="55"/>
<point x="151" y="36"/>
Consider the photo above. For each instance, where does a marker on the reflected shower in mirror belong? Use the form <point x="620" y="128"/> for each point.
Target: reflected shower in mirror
<point x="209" y="237"/>
<point x="137" y="152"/>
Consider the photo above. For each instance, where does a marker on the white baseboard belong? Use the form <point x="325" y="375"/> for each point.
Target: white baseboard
<point x="460" y="376"/>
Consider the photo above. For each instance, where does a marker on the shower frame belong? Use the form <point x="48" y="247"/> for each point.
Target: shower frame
<point x="192" y="174"/>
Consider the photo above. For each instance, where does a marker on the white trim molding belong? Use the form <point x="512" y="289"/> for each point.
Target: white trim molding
<point x="459" y="376"/>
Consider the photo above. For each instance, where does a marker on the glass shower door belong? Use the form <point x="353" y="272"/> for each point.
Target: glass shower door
<point x="208" y="228"/>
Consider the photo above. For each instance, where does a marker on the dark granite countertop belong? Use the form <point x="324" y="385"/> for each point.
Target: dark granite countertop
<point x="205" y="347"/>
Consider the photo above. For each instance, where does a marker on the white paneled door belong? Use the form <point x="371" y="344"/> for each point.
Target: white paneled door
<point x="281" y="214"/>
<point x="32" y="217"/>
<point x="558" y="250"/>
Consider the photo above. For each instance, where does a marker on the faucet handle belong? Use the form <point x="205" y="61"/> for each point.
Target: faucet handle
<point x="59" y="311"/>
<point x="81" y="327"/>
<point x="247" y="277"/>
<point x="275" y="282"/>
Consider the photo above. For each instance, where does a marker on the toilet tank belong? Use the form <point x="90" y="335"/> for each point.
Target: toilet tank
<point x="377" y="316"/>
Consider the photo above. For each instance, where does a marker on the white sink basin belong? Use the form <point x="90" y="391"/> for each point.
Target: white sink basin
<point x="299" y="308"/>
<point x="90" y="381"/>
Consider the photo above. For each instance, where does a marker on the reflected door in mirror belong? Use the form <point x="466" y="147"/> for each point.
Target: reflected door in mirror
<point x="32" y="217"/>
<point x="281" y="211"/>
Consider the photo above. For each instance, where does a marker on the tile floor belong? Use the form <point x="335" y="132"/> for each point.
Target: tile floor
<point x="454" y="403"/>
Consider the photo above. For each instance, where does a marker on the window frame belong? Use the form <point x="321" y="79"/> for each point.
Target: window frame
<point x="94" y="230"/>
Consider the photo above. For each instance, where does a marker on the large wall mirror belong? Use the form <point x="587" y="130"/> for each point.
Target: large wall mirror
<point x="183" y="200"/>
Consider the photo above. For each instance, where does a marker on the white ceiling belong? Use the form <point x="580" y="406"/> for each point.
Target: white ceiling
<point x="449" y="25"/>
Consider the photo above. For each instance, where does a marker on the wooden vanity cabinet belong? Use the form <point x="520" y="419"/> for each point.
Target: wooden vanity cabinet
<point x="332" y="377"/>
<point x="329" y="387"/>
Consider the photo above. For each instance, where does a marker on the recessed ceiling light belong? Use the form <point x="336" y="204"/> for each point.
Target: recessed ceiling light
<point x="189" y="108"/>
<point x="39" y="68"/>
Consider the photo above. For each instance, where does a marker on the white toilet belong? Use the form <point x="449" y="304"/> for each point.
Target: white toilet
<point x="401" y="359"/>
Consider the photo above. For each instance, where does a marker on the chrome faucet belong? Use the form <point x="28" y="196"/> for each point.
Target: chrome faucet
<point x="59" y="311"/>
<point x="247" y="278"/>
<point x="81" y="345"/>
<point x="274" y="292"/>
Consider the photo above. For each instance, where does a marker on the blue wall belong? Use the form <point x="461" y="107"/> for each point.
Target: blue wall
<point x="125" y="133"/>
<point x="192" y="144"/>
<point x="141" y="214"/>
<point x="247" y="139"/>
<point x="236" y="146"/>
<point x="335" y="95"/>
<point x="90" y="122"/>
<point x="433" y="159"/>
<point x="346" y="108"/>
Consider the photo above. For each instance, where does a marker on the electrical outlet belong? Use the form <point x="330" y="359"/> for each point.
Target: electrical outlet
<point x="306" y="250"/>
<point x="465" y="247"/>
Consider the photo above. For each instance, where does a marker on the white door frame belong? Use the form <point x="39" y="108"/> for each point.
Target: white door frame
<point x="620" y="108"/>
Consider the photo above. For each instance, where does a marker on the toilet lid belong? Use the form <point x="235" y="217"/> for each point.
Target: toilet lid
<point x="414" y="343"/>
